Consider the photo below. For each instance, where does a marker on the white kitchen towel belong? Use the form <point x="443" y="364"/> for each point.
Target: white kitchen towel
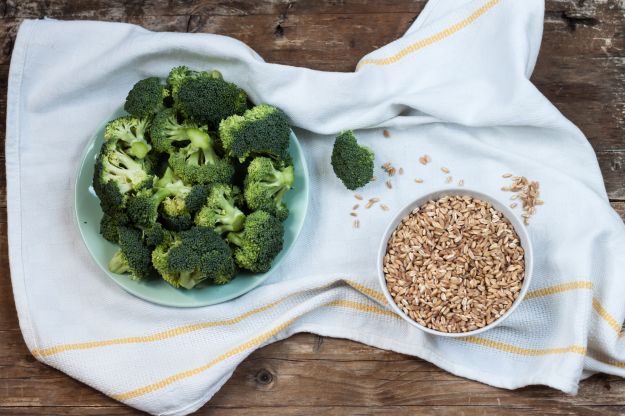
<point x="455" y="87"/>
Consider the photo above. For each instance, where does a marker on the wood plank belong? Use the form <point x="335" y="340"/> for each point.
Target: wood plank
<point x="210" y="410"/>
<point x="119" y="9"/>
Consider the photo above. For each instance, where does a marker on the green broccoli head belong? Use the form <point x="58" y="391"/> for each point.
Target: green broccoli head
<point x="133" y="256"/>
<point x="199" y="163"/>
<point x="146" y="97"/>
<point x="143" y="207"/>
<point x="190" y="257"/>
<point x="129" y="133"/>
<point x="109" y="224"/>
<point x="154" y="235"/>
<point x="352" y="163"/>
<point x="259" y="243"/>
<point x="220" y="212"/>
<point x="180" y="73"/>
<point x="262" y="130"/>
<point x="265" y="186"/>
<point x="207" y="99"/>
<point x="167" y="131"/>
<point x="177" y="212"/>
<point x="116" y="176"/>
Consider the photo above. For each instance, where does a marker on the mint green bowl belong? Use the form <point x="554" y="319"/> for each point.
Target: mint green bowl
<point x="88" y="214"/>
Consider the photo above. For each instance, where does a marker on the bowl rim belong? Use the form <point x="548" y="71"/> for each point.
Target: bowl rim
<point x="82" y="161"/>
<point x="517" y="224"/>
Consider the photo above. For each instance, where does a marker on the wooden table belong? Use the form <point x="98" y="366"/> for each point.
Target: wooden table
<point x="581" y="69"/>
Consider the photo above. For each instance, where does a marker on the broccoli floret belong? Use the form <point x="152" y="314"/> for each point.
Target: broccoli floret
<point x="352" y="163"/>
<point x="262" y="130"/>
<point x="129" y="133"/>
<point x="143" y="207"/>
<point x="133" y="256"/>
<point x="208" y="100"/>
<point x="181" y="73"/>
<point x="154" y="235"/>
<point x="220" y="212"/>
<point x="166" y="131"/>
<point x="109" y="224"/>
<point x="266" y="184"/>
<point x="146" y="97"/>
<point x="259" y="243"/>
<point x="177" y="213"/>
<point x="199" y="163"/>
<point x="116" y="175"/>
<point x="192" y="256"/>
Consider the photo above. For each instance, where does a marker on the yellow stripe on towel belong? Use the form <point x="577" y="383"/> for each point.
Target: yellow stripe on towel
<point x="577" y="349"/>
<point x="420" y="44"/>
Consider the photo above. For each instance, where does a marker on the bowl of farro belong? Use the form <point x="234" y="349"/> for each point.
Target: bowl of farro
<point x="455" y="262"/>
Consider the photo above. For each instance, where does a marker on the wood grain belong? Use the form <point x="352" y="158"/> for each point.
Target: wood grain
<point x="581" y="69"/>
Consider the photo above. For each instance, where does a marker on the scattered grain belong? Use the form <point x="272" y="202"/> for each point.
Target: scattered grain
<point x="401" y="171"/>
<point x="386" y="134"/>
<point x="425" y="159"/>
<point x="388" y="168"/>
<point x="444" y="169"/>
<point x="358" y="197"/>
<point x="513" y="205"/>
<point x="353" y="214"/>
<point x="449" y="179"/>
<point x="355" y="207"/>
<point x="389" y="184"/>
<point x="527" y="192"/>
<point x="461" y="182"/>
<point x="506" y="175"/>
<point x="384" y="207"/>
<point x="454" y="264"/>
<point x="371" y="202"/>
<point x="356" y="224"/>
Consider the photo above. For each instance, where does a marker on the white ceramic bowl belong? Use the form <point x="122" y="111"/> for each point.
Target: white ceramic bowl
<point x="510" y="216"/>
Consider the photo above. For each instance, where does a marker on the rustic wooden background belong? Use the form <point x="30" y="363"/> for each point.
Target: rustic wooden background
<point x="581" y="68"/>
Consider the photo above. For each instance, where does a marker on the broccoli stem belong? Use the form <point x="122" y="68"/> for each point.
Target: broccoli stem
<point x="119" y="263"/>
<point x="232" y="218"/>
<point x="139" y="149"/>
<point x="198" y="138"/>
<point x="188" y="280"/>
<point x="203" y="141"/>
<point x="235" y="238"/>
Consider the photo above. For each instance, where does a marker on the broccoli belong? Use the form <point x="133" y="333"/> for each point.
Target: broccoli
<point x="208" y="100"/>
<point x="262" y="130"/>
<point x="143" y="207"/>
<point x="129" y="133"/>
<point x="177" y="214"/>
<point x="190" y="257"/>
<point x="220" y="212"/>
<point x="154" y="235"/>
<point x="108" y="227"/>
<point x="259" y="243"/>
<point x="146" y="97"/>
<point x="180" y="73"/>
<point x="133" y="256"/>
<point x="266" y="184"/>
<point x="116" y="175"/>
<point x="178" y="201"/>
<point x="352" y="163"/>
<point x="199" y="163"/>
<point x="166" y="131"/>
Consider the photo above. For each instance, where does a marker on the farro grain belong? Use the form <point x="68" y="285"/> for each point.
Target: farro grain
<point x="454" y="264"/>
